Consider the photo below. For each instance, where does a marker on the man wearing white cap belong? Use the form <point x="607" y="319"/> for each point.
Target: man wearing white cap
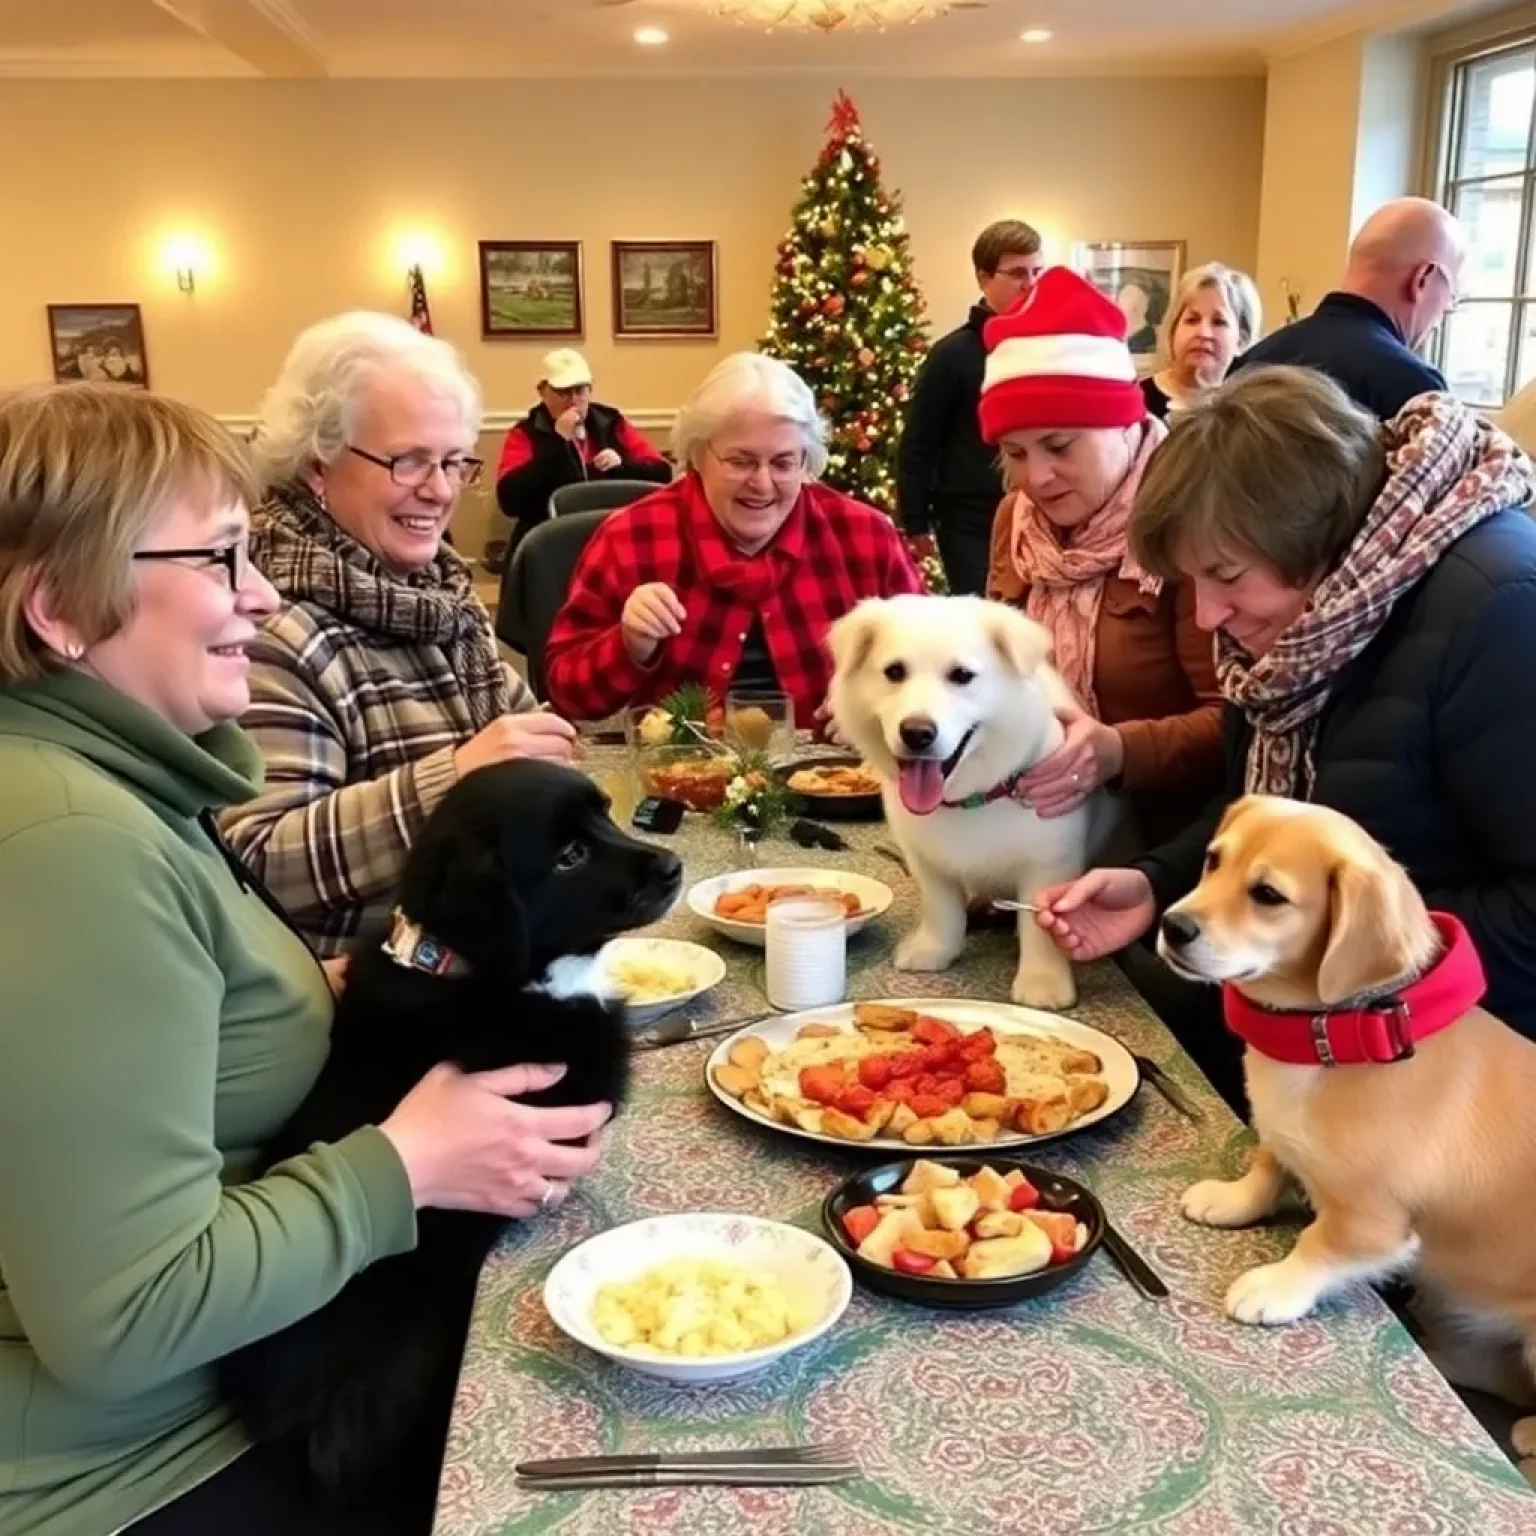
<point x="565" y="438"/>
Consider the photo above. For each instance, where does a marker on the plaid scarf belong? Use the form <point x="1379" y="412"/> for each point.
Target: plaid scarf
<point x="304" y="553"/>
<point x="1447" y="470"/>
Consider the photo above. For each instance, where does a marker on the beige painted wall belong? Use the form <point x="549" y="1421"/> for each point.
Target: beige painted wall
<point x="1311" y="125"/>
<point x="302" y="194"/>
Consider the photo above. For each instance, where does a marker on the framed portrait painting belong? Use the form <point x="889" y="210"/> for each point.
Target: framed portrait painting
<point x="103" y="343"/>
<point x="530" y="288"/>
<point x="1140" y="277"/>
<point x="664" y="288"/>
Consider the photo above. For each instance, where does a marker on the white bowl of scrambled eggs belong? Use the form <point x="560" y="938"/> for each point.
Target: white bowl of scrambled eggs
<point x="654" y="976"/>
<point x="698" y="1297"/>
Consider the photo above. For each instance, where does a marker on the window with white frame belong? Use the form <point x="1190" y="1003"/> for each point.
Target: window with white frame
<point x="1487" y="347"/>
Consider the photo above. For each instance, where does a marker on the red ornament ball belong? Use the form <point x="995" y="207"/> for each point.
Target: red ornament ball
<point x="833" y="304"/>
<point x="863" y="445"/>
<point x="859" y="278"/>
<point x="866" y="358"/>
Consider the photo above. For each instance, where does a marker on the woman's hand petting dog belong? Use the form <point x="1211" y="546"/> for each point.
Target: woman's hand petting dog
<point x="1092" y="755"/>
<point x="1098" y="913"/>
<point x="535" y="733"/>
<point x="468" y="1145"/>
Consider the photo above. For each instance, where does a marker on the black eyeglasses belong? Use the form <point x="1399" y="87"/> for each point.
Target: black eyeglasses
<point x="412" y="470"/>
<point x="233" y="559"/>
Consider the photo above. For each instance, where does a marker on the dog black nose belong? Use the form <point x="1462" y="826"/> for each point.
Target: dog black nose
<point x="918" y="734"/>
<point x="1179" y="931"/>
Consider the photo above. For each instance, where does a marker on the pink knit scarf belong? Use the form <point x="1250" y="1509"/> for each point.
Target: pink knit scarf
<point x="1065" y="581"/>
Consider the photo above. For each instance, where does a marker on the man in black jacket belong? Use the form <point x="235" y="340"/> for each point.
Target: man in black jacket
<point x="947" y="480"/>
<point x="1403" y="276"/>
<point x="564" y="439"/>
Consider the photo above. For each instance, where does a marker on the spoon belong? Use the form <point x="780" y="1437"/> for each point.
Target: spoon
<point x="1003" y="904"/>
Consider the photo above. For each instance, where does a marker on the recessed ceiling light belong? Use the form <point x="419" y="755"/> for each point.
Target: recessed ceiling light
<point x="650" y="37"/>
<point x="1036" y="35"/>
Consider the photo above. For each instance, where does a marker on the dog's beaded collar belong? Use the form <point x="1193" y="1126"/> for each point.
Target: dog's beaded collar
<point x="408" y="946"/>
<point x="1381" y="1031"/>
<point x="1007" y="790"/>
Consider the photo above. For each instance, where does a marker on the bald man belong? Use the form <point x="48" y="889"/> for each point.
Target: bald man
<point x="1403" y="275"/>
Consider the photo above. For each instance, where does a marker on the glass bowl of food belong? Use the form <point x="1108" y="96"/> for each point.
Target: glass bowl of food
<point x="696" y="775"/>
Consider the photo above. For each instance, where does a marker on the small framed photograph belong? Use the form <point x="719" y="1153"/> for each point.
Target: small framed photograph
<point x="530" y="288"/>
<point x="103" y="343"/>
<point x="664" y="288"/>
<point x="1140" y="276"/>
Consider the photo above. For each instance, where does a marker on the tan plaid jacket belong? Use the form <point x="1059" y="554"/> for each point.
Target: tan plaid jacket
<point x="358" y="731"/>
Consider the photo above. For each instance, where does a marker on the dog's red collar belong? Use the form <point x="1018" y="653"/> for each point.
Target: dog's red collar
<point x="1382" y="1033"/>
<point x="408" y="946"/>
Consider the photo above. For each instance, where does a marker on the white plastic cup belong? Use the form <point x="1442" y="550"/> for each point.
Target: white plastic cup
<point x="806" y="940"/>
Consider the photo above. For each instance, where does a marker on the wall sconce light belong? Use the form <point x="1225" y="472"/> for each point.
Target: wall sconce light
<point x="186" y="255"/>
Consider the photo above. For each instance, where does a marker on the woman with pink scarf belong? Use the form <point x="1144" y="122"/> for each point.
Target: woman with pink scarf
<point x="1061" y="401"/>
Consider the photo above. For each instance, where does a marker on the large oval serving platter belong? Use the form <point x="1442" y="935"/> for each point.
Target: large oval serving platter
<point x="1118" y="1068"/>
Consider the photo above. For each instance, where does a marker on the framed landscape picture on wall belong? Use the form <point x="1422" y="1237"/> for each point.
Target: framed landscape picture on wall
<point x="530" y="288"/>
<point x="664" y="288"/>
<point x="1140" y="276"/>
<point x="103" y="343"/>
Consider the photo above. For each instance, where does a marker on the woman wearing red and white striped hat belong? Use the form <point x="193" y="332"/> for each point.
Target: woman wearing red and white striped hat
<point x="1061" y="401"/>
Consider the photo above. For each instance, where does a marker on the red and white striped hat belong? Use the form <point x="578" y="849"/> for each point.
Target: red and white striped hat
<point x="1058" y="358"/>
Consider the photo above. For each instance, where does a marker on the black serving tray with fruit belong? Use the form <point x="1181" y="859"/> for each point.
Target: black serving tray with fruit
<point x="1056" y="1194"/>
<point x="832" y="807"/>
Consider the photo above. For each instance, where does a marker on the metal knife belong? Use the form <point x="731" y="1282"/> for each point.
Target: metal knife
<point x="678" y="1461"/>
<point x="788" y="1474"/>
<point x="1169" y="1089"/>
<point x="681" y="1031"/>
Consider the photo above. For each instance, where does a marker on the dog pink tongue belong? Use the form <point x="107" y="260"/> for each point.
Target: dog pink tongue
<point x="921" y="785"/>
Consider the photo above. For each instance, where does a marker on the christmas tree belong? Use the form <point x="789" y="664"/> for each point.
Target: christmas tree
<point x="847" y="315"/>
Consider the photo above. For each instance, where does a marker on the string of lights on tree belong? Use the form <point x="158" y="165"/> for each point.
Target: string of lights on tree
<point x="847" y="315"/>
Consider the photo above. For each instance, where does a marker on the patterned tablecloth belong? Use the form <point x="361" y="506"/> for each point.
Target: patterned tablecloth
<point x="1091" y="1410"/>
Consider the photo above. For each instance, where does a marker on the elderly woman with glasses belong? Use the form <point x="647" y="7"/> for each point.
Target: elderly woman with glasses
<point x="378" y="684"/>
<point x="732" y="575"/>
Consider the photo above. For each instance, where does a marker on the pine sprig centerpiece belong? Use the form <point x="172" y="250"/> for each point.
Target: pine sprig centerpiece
<point x="756" y="798"/>
<point x="847" y="314"/>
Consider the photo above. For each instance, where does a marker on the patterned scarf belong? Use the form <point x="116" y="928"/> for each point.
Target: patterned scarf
<point x="1065" y="582"/>
<point x="750" y="579"/>
<point x="302" y="551"/>
<point x="1447" y="470"/>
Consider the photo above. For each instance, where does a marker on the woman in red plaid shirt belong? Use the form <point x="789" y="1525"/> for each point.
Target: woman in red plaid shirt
<point x="731" y="575"/>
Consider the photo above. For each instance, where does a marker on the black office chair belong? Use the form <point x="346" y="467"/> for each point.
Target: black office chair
<point x="534" y="585"/>
<point x="598" y="495"/>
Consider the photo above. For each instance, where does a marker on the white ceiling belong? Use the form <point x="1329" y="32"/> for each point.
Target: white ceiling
<point x="510" y="38"/>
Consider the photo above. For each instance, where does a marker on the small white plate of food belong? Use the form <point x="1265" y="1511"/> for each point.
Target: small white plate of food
<point x="698" y="1297"/>
<point x="834" y="787"/>
<point x="928" y="1073"/>
<point x="737" y="904"/>
<point x="654" y="976"/>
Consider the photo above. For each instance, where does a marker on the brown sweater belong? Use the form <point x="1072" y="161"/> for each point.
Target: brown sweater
<point x="1155" y="677"/>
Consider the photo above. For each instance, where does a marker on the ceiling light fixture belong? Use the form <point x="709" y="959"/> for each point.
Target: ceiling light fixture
<point x="830" y="15"/>
<point x="1035" y="35"/>
<point x="650" y="37"/>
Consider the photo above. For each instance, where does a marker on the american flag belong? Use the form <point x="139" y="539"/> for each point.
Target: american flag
<point x="421" y="315"/>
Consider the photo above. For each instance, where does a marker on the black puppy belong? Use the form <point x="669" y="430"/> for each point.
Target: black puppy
<point x="517" y="879"/>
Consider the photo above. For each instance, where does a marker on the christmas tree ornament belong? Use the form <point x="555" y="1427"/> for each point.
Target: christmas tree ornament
<point x="833" y="304"/>
<point x="859" y="278"/>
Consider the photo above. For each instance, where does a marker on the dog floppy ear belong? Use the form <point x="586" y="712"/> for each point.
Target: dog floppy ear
<point x="457" y="889"/>
<point x="852" y="638"/>
<point x="1021" y="644"/>
<point x="1376" y="929"/>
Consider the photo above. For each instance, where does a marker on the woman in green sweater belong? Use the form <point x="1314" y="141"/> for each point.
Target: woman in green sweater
<point x="160" y="1021"/>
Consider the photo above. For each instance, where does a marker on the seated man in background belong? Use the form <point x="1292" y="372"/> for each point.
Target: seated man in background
<point x="1401" y="280"/>
<point x="564" y="439"/>
<point x="734" y="573"/>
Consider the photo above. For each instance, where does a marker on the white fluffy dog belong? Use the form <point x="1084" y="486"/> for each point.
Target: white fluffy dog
<point x="950" y="700"/>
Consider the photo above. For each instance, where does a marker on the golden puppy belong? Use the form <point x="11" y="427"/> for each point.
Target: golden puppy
<point x="1416" y="1146"/>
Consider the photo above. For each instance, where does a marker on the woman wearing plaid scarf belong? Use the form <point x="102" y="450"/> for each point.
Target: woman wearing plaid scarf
<point x="379" y="684"/>
<point x="1372" y="590"/>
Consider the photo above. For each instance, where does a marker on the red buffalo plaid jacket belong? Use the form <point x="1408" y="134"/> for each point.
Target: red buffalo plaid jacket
<point x="830" y="553"/>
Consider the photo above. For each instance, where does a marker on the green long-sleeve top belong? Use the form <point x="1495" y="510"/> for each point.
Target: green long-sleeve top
<point x="157" y="1024"/>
